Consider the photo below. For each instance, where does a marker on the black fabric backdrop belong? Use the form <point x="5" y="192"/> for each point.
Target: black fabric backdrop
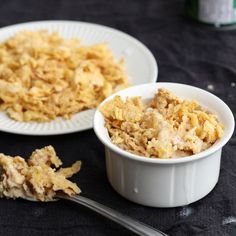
<point x="186" y="53"/>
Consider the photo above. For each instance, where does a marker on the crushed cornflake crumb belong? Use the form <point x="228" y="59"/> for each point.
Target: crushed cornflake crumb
<point x="166" y="127"/>
<point x="35" y="178"/>
<point x="210" y="87"/>
<point x="43" y="76"/>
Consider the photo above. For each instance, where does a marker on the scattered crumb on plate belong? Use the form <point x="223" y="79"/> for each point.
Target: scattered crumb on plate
<point x="43" y="76"/>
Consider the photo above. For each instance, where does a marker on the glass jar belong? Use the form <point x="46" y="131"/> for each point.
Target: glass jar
<point x="219" y="13"/>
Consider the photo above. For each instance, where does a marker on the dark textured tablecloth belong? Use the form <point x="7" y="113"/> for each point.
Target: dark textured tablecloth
<point x="186" y="53"/>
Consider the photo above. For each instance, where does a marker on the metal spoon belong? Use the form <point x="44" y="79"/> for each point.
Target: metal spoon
<point x="127" y="222"/>
<point x="123" y="220"/>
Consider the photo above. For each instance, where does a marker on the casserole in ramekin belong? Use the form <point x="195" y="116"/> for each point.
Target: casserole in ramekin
<point x="165" y="182"/>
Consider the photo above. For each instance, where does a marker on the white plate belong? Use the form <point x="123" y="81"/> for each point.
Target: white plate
<point x="140" y="64"/>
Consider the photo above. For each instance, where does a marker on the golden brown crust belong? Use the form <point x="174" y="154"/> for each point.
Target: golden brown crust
<point x="43" y="76"/>
<point x="168" y="127"/>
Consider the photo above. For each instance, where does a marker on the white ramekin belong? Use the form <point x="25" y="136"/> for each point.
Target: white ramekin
<point x="165" y="182"/>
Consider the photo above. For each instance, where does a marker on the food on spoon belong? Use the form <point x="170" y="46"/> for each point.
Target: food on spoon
<point x="36" y="178"/>
<point x="166" y="127"/>
<point x="43" y="76"/>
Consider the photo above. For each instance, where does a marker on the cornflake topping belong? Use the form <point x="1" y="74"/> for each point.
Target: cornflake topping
<point x="166" y="127"/>
<point x="43" y="76"/>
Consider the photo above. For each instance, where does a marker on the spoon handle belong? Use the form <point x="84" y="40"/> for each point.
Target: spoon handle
<point x="127" y="222"/>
